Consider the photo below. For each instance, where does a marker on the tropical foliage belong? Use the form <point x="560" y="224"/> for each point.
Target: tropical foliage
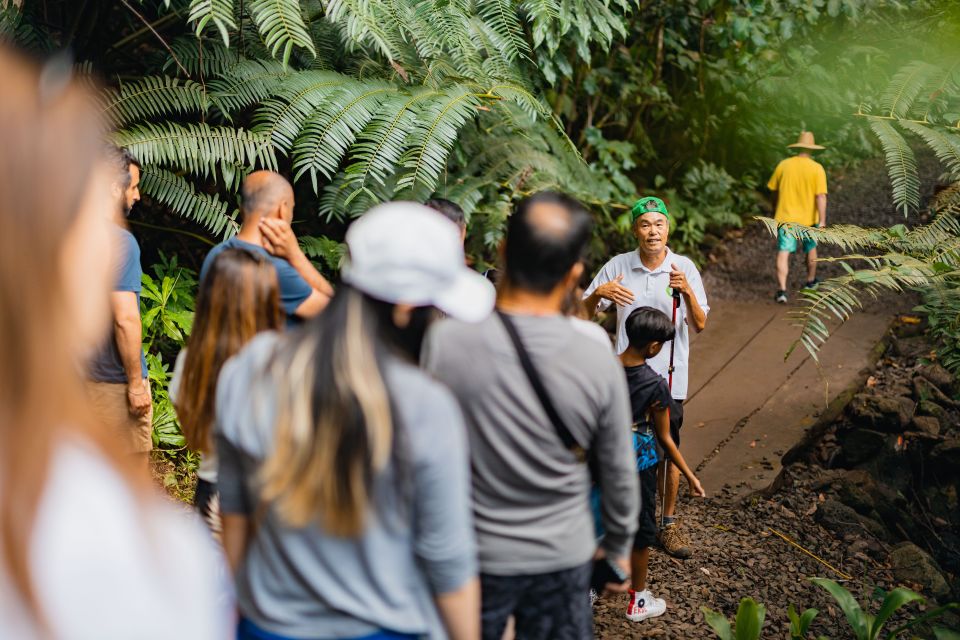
<point x="922" y="102"/>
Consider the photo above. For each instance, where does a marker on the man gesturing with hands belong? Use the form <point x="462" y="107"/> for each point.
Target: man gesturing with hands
<point x="647" y="277"/>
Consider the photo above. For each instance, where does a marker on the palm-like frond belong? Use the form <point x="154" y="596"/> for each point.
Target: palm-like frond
<point x="366" y="23"/>
<point x="281" y="25"/>
<point x="434" y="133"/>
<point x="183" y="199"/>
<point x="216" y="12"/>
<point x="901" y="165"/>
<point x="330" y="131"/>
<point x="197" y="148"/>
<point x="945" y="145"/>
<point x="282" y="116"/>
<point x="153" y="96"/>
<point x="501" y="16"/>
<point x="905" y="87"/>
<point x="246" y="83"/>
<point x="201" y="57"/>
<point x="327" y="249"/>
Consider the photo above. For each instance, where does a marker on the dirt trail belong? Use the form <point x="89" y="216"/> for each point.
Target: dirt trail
<point x="746" y="408"/>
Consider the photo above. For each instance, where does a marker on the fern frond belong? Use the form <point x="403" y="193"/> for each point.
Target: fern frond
<point x="281" y="25"/>
<point x="945" y="145"/>
<point x="218" y="12"/>
<point x="198" y="148"/>
<point x="330" y="131"/>
<point x="247" y="83"/>
<point x="847" y="237"/>
<point x="901" y="165"/>
<point x="327" y="249"/>
<point x="298" y="96"/>
<point x="380" y="145"/>
<point x="365" y="22"/>
<point x="437" y="125"/>
<point x="904" y="88"/>
<point x="180" y="196"/>
<point x="501" y="16"/>
<point x="153" y="96"/>
<point x="199" y="56"/>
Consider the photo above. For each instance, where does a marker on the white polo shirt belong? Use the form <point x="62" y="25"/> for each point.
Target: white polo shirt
<point x="651" y="288"/>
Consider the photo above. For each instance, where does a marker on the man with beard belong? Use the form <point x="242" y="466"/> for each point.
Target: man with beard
<point x="648" y="277"/>
<point x="118" y="387"/>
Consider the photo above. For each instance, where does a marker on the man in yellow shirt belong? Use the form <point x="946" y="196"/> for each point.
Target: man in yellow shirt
<point x="800" y="187"/>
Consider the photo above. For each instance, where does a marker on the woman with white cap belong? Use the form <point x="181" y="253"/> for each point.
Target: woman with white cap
<point x="344" y="473"/>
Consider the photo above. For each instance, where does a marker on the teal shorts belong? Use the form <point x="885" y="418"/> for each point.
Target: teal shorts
<point x="788" y="242"/>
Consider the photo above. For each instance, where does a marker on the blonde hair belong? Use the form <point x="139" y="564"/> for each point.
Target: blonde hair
<point x="335" y="429"/>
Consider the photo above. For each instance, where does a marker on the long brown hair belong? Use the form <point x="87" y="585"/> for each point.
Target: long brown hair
<point x="51" y="145"/>
<point x="239" y="297"/>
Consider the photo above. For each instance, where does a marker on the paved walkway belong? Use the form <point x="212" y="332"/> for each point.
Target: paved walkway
<point x="747" y="406"/>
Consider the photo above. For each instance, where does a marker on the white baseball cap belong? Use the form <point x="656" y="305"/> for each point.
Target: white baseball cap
<point x="404" y="252"/>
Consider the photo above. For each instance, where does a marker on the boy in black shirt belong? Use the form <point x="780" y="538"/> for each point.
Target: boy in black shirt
<point x="647" y="330"/>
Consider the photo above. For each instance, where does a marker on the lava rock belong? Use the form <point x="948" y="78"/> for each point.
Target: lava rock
<point x="847" y="523"/>
<point x="856" y="488"/>
<point x="890" y="414"/>
<point x="912" y="564"/>
<point x="931" y="408"/>
<point x="947" y="453"/>
<point x="939" y="376"/>
<point x="926" y="424"/>
<point x="860" y="445"/>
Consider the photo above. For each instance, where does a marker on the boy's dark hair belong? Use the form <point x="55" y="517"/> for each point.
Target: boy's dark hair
<point x="450" y="210"/>
<point x="646" y="324"/>
<point x="536" y="256"/>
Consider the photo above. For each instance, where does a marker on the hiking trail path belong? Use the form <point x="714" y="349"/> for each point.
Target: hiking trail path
<point x="747" y="405"/>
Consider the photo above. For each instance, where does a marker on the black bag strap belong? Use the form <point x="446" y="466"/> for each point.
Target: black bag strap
<point x="537" y="383"/>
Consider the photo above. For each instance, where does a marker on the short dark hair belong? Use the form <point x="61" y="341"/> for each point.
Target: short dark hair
<point x="646" y="324"/>
<point x="450" y="210"/>
<point x="120" y="160"/>
<point x="537" y="259"/>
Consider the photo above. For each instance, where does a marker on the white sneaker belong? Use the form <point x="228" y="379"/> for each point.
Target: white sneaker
<point x="643" y="605"/>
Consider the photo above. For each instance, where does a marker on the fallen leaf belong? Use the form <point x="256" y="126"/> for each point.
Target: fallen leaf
<point x="705" y="570"/>
<point x="701" y="425"/>
<point x="871" y="382"/>
<point x="753" y="444"/>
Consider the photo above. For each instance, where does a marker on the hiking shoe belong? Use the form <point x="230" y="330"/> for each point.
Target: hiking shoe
<point x="781" y="296"/>
<point x="674" y="542"/>
<point x="813" y="284"/>
<point x="643" y="605"/>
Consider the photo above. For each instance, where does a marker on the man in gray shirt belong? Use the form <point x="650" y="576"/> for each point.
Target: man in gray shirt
<point x="531" y="494"/>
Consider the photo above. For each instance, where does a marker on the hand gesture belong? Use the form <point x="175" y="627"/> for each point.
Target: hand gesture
<point x="278" y="238"/>
<point x="138" y="398"/>
<point x="616" y="292"/>
<point x="678" y="280"/>
<point x="696" y="489"/>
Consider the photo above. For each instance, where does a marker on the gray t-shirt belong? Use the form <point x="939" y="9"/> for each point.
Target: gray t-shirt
<point x="307" y="583"/>
<point x="530" y="494"/>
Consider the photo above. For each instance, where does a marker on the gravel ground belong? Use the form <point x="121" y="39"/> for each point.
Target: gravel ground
<point x="736" y="552"/>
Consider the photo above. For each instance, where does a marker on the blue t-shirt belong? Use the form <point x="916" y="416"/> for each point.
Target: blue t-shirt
<point x="107" y="366"/>
<point x="293" y="288"/>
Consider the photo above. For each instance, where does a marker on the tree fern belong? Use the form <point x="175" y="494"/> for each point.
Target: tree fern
<point x="217" y="12"/>
<point x="945" y="145"/>
<point x="197" y="148"/>
<point x="201" y="57"/>
<point x="281" y="25"/>
<point x="153" y="96"/>
<point x="183" y="199"/>
<point x="282" y="116"/>
<point x="365" y="22"/>
<point x="330" y="131"/>
<point x="905" y="87"/>
<point x="503" y="20"/>
<point x="901" y="165"/>
<point x="246" y="83"/>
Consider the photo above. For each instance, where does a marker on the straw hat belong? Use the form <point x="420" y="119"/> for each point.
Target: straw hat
<point x="805" y="141"/>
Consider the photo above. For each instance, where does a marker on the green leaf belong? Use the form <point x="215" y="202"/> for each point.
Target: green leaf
<point x="281" y="25"/>
<point x="897" y="598"/>
<point x="153" y="96"/>
<point x="219" y="12"/>
<point x="750" y="617"/>
<point x="850" y="607"/>
<point x="718" y="622"/>
<point x="901" y="165"/>
<point x="940" y="633"/>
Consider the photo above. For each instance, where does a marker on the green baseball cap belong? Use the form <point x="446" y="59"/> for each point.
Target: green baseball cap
<point x="649" y="204"/>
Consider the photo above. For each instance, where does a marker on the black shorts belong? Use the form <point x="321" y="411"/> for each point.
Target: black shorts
<point x="647" y="529"/>
<point x="548" y="606"/>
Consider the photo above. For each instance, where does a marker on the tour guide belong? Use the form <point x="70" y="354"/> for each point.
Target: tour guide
<point x="646" y="278"/>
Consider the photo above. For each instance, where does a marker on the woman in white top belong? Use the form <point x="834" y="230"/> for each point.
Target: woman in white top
<point x="238" y="298"/>
<point x="86" y="549"/>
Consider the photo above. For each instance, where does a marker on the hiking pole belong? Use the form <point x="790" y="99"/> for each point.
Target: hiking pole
<point x="666" y="463"/>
